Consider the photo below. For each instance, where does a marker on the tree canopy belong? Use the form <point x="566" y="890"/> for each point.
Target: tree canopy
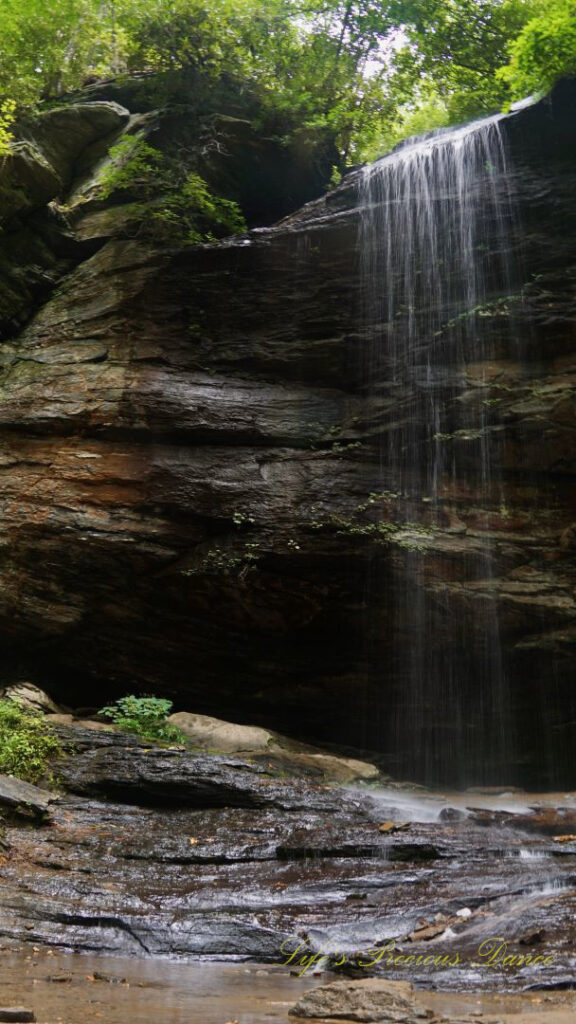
<point x="365" y="71"/>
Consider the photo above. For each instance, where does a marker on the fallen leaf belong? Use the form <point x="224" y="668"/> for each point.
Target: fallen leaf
<point x="193" y="841"/>
<point x="427" y="933"/>
<point x="564" y="839"/>
<point x="392" y="826"/>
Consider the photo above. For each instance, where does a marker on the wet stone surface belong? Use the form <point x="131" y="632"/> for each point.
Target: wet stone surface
<point x="307" y="870"/>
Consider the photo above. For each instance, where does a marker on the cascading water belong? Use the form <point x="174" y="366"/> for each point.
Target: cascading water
<point x="437" y="222"/>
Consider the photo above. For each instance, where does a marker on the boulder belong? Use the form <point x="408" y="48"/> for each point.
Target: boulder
<point x="15" y="793"/>
<point x="214" y="734"/>
<point x="30" y="696"/>
<point x="40" y="165"/>
<point x="341" y="769"/>
<point x="369" y="1001"/>
<point x="366" y="1000"/>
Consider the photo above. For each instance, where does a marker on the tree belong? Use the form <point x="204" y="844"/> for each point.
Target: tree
<point x="353" y="70"/>
<point x="544" y="50"/>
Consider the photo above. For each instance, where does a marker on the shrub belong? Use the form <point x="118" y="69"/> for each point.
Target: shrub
<point x="169" y="206"/>
<point x="134" y="166"/>
<point x="27" y="742"/>
<point x="145" y="716"/>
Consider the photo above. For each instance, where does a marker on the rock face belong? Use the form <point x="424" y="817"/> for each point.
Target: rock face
<point x="188" y="449"/>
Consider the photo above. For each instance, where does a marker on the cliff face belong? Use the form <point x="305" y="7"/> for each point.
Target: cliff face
<point x="188" y="451"/>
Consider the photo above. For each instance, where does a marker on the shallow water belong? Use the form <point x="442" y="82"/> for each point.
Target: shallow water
<point x="64" y="988"/>
<point x="145" y="991"/>
<point x="426" y="806"/>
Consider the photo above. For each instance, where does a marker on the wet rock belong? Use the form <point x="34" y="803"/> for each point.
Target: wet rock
<point x="22" y="796"/>
<point x="533" y="937"/>
<point x="153" y="776"/>
<point x="267" y="749"/>
<point x="550" y="821"/>
<point x="494" y="790"/>
<point x="16" y="1014"/>
<point x="181" y="880"/>
<point x="451" y="814"/>
<point x="110" y="979"/>
<point x="428" y="931"/>
<point x="487" y="816"/>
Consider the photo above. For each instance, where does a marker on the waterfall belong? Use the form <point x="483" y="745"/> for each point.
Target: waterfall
<point x="437" y="220"/>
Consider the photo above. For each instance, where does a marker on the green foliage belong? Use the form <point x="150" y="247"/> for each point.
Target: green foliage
<point x="428" y="110"/>
<point x="544" y="50"/>
<point x="28" y="744"/>
<point x="134" y="166"/>
<point x="169" y="208"/>
<point x="361" y="73"/>
<point x="196" y="214"/>
<point x="145" y="716"/>
<point x="46" y="48"/>
<point x="7" y="110"/>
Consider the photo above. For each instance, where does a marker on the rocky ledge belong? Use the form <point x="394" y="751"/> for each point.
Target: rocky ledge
<point x="165" y="852"/>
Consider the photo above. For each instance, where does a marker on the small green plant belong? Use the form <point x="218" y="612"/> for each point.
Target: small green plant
<point x="242" y="519"/>
<point x="402" y="534"/>
<point x="224" y="562"/>
<point x="145" y="716"/>
<point x="335" y="176"/>
<point x="28" y="743"/>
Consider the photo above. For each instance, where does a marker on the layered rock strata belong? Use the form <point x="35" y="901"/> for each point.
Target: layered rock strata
<point x="191" y="482"/>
